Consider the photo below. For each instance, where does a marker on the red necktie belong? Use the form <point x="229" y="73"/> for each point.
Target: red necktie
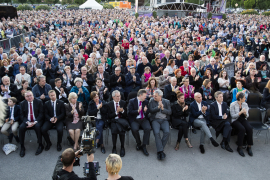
<point x="141" y="112"/>
<point x="119" y="115"/>
<point x="31" y="113"/>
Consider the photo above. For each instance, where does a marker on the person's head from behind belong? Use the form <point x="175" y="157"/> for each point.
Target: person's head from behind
<point x="240" y="96"/>
<point x="113" y="164"/>
<point x="68" y="157"/>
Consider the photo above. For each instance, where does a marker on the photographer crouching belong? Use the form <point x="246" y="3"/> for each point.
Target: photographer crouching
<point x="64" y="166"/>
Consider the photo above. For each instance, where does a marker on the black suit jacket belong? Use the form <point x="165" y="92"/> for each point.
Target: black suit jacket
<point x="13" y="90"/>
<point x="38" y="110"/>
<point x="72" y="67"/>
<point x="60" y="110"/>
<point x="111" y="110"/>
<point x="16" y="113"/>
<point x="58" y="93"/>
<point x="90" y="80"/>
<point x="169" y="94"/>
<point x="133" y="107"/>
<point x="106" y="78"/>
<point x="216" y="121"/>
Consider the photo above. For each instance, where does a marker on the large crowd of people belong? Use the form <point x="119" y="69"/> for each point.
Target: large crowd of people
<point x="133" y="74"/>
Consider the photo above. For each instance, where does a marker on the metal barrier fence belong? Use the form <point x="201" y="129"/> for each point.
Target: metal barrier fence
<point x="16" y="40"/>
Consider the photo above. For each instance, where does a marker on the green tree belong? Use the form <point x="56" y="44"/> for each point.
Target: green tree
<point x="32" y="1"/>
<point x="79" y="1"/>
<point x="262" y="4"/>
<point x="99" y="1"/>
<point x="249" y="4"/>
<point x="22" y="1"/>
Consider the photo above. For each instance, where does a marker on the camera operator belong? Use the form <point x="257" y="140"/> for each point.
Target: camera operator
<point x="68" y="159"/>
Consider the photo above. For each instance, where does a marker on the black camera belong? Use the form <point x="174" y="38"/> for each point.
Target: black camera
<point x="89" y="135"/>
<point x="86" y="168"/>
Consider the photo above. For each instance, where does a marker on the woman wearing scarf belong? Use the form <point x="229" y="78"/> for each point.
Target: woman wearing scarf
<point x="179" y="113"/>
<point x="207" y="92"/>
<point x="152" y="86"/>
<point x="102" y="90"/>
<point x="82" y="92"/>
<point x="187" y="90"/>
<point x="74" y="112"/>
<point x="146" y="76"/>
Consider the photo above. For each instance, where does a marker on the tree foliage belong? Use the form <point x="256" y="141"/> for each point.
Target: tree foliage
<point x="22" y="1"/>
<point x="108" y="6"/>
<point x="249" y="4"/>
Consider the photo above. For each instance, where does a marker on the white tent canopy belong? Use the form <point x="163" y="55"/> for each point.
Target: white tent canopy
<point x="91" y="4"/>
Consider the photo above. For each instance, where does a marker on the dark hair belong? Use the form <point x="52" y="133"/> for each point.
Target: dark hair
<point x="179" y="94"/>
<point x="57" y="79"/>
<point x="261" y="68"/>
<point x="239" y="96"/>
<point x="93" y="94"/>
<point x="170" y="61"/>
<point x="221" y="74"/>
<point x="98" y="79"/>
<point x="141" y="92"/>
<point x="149" y="82"/>
<point x="68" y="157"/>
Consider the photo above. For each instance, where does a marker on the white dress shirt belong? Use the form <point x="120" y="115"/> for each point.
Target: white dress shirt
<point x="200" y="109"/>
<point x="139" y="116"/>
<point x="54" y="108"/>
<point x="116" y="109"/>
<point x="101" y="77"/>
<point x="60" y="96"/>
<point x="219" y="109"/>
<point x="29" y="117"/>
<point x="12" y="114"/>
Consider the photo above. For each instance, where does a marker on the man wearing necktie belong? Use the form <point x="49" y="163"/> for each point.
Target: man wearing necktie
<point x="170" y="90"/>
<point x="12" y="120"/>
<point x="31" y="115"/>
<point x="137" y="113"/>
<point x="117" y="113"/>
<point x="54" y="116"/>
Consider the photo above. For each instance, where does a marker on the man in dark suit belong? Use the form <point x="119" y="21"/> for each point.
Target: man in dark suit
<point x="160" y="110"/>
<point x="54" y="116"/>
<point x="31" y="117"/>
<point x="138" y="113"/>
<point x="103" y="75"/>
<point x="76" y="67"/>
<point x="199" y="118"/>
<point x="61" y="91"/>
<point x="219" y="120"/>
<point x="7" y="90"/>
<point x="169" y="90"/>
<point x="117" y="113"/>
<point x="117" y="81"/>
<point x="53" y="59"/>
<point x="165" y="59"/>
<point x="88" y="80"/>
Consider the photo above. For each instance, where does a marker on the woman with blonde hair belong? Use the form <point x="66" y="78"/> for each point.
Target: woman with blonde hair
<point x="91" y="68"/>
<point x="113" y="166"/>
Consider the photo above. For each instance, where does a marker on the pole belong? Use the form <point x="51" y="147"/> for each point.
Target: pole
<point x="136" y="6"/>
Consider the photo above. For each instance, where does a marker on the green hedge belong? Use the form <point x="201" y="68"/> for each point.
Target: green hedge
<point x="224" y="16"/>
<point x="154" y="14"/>
<point x="266" y="13"/>
<point x="24" y="7"/>
<point x="209" y="16"/>
<point x="72" y="6"/>
<point x="250" y="11"/>
<point x="108" y="6"/>
<point x="43" y="7"/>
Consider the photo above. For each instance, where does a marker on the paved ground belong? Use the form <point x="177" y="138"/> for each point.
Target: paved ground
<point x="186" y="163"/>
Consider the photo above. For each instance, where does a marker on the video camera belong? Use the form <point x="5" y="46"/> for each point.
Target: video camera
<point x="88" y="142"/>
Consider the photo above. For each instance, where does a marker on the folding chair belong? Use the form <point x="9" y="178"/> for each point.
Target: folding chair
<point x="253" y="100"/>
<point x="255" y="120"/>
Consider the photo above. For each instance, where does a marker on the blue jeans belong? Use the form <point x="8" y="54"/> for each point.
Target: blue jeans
<point x="99" y="126"/>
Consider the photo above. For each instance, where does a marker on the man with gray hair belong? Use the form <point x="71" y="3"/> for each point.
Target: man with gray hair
<point x="160" y="111"/>
<point x="117" y="80"/>
<point x="41" y="89"/>
<point x="33" y="66"/>
<point x="117" y="113"/>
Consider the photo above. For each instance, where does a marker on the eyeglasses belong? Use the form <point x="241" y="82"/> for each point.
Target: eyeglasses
<point x="47" y="60"/>
<point x="61" y="62"/>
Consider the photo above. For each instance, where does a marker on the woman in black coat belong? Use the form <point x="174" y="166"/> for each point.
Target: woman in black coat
<point x="97" y="108"/>
<point x="6" y="70"/>
<point x="179" y="113"/>
<point x="103" y="91"/>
